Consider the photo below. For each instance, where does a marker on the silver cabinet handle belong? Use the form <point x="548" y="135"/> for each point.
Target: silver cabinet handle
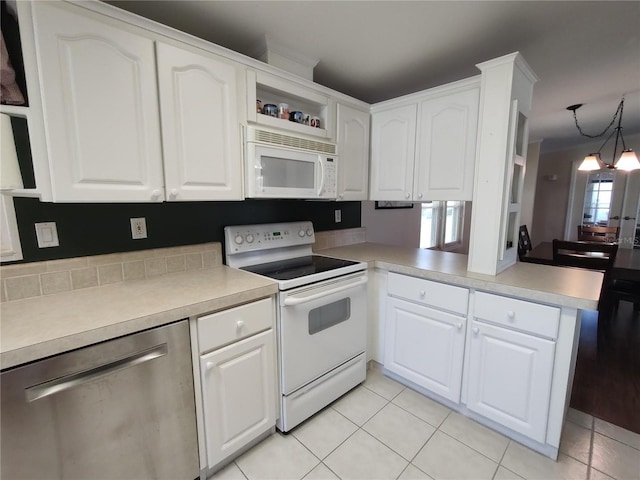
<point x="75" y="379"/>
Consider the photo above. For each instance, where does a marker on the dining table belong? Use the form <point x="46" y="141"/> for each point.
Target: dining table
<point x="625" y="267"/>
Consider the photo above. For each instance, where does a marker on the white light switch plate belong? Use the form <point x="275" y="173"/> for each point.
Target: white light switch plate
<point x="47" y="234"/>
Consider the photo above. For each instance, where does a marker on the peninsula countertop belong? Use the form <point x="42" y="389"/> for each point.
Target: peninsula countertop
<point x="563" y="286"/>
<point x="38" y="327"/>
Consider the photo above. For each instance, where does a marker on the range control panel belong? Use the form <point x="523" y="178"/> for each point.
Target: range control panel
<point x="252" y="238"/>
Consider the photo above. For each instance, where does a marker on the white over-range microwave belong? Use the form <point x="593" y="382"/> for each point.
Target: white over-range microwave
<point x="285" y="166"/>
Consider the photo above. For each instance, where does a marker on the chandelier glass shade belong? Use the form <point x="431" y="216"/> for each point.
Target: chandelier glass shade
<point x="627" y="160"/>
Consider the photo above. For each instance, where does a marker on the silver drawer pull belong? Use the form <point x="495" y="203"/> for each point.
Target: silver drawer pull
<point x="75" y="379"/>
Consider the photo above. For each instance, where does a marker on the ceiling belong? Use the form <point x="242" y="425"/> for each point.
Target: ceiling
<point x="582" y="52"/>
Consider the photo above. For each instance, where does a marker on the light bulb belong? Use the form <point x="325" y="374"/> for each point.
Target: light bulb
<point x="590" y="163"/>
<point x="628" y="161"/>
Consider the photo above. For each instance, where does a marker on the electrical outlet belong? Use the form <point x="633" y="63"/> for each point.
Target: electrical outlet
<point x="47" y="234"/>
<point x="138" y="228"/>
<point x="338" y="214"/>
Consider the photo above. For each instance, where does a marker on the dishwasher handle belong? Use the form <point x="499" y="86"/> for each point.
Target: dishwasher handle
<point x="75" y="379"/>
<point x="290" y="301"/>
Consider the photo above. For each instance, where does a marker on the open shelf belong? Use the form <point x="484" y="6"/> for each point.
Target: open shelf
<point x="270" y="89"/>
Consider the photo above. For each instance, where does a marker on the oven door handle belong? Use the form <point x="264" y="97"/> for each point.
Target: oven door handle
<point x="291" y="301"/>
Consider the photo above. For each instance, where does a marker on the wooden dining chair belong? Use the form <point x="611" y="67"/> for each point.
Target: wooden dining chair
<point x="593" y="233"/>
<point x="591" y="255"/>
<point x="594" y="256"/>
<point x="524" y="242"/>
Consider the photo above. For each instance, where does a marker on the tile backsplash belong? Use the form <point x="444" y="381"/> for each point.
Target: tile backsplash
<point x="339" y="238"/>
<point x="55" y="276"/>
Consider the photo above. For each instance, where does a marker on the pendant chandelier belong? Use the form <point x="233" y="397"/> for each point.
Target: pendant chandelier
<point x="627" y="160"/>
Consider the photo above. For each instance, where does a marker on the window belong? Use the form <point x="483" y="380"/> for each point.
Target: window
<point x="441" y="224"/>
<point x="597" y="199"/>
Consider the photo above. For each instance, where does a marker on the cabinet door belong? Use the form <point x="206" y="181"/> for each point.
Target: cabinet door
<point x="393" y="134"/>
<point x="200" y="128"/>
<point x="100" y="106"/>
<point x="447" y="147"/>
<point x="238" y="394"/>
<point x="509" y="378"/>
<point x="425" y="346"/>
<point x="353" y="149"/>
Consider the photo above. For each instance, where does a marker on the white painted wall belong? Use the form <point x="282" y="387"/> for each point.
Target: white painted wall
<point x="553" y="188"/>
<point x="399" y="226"/>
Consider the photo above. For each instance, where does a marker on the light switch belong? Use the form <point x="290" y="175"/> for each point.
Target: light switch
<point x="47" y="234"/>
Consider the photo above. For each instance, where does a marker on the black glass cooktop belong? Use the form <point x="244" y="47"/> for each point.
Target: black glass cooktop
<point x="298" y="267"/>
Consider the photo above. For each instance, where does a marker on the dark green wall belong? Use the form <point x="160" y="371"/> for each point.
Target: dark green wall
<point x="98" y="228"/>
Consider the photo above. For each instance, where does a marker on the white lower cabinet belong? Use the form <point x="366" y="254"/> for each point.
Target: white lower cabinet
<point x="511" y="361"/>
<point x="510" y="378"/>
<point x="425" y="346"/>
<point x="238" y="379"/>
<point x="486" y="354"/>
<point x="425" y="333"/>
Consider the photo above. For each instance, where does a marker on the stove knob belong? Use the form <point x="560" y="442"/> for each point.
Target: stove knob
<point x="301" y="233"/>
<point x="239" y="240"/>
<point x="309" y="232"/>
<point x="249" y="238"/>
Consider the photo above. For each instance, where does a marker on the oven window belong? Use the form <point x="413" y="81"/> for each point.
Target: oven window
<point x="329" y="315"/>
<point x="285" y="173"/>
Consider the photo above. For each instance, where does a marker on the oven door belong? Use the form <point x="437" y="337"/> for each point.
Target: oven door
<point x="321" y="327"/>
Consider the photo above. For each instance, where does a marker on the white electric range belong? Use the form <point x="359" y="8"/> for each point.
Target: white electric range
<point x="321" y="318"/>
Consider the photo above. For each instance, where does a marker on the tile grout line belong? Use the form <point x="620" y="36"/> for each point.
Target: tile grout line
<point x="591" y="438"/>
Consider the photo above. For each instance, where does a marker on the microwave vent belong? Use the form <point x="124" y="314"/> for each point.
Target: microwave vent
<point x="294" y="142"/>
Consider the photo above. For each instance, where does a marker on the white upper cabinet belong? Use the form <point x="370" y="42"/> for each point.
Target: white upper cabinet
<point x="100" y="107"/>
<point x="393" y="134"/>
<point x="447" y="147"/>
<point x="353" y="153"/>
<point x="200" y="128"/>
<point x="129" y="119"/>
<point x="424" y="144"/>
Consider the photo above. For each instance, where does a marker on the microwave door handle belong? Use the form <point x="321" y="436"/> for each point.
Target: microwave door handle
<point x="321" y="188"/>
<point x="258" y="176"/>
<point x="291" y="301"/>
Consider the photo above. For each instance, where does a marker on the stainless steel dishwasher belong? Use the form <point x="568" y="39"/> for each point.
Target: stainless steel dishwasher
<point x="119" y="409"/>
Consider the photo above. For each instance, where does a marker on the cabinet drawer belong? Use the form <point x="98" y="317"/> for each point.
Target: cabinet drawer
<point x="224" y="327"/>
<point x="426" y="292"/>
<point x="520" y="315"/>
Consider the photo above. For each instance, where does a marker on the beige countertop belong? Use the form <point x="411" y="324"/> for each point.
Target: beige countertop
<point x="564" y="286"/>
<point x="38" y="327"/>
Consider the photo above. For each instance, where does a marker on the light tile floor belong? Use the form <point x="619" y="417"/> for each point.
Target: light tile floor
<point x="382" y="430"/>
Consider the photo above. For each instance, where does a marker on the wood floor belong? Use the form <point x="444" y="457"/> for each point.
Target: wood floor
<point x="607" y="381"/>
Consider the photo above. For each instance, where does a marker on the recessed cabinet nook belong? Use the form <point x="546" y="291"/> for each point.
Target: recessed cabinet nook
<point x="122" y="109"/>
